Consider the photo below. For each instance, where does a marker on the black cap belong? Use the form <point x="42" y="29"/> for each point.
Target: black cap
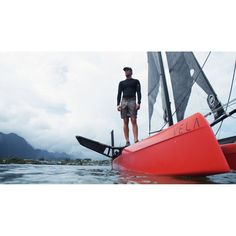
<point x="127" y="68"/>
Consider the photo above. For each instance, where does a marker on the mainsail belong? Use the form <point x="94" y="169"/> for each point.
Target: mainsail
<point x="153" y="82"/>
<point x="156" y="77"/>
<point x="184" y="71"/>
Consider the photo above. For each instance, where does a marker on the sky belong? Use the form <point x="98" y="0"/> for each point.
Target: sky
<point x="50" y="97"/>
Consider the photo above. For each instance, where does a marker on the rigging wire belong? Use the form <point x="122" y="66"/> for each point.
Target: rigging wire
<point x="200" y="96"/>
<point x="185" y="94"/>
<point x="231" y="88"/>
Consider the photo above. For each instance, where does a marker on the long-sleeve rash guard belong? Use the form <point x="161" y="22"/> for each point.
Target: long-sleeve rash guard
<point x="129" y="88"/>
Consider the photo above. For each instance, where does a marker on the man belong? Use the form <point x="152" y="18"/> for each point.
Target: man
<point x="128" y="106"/>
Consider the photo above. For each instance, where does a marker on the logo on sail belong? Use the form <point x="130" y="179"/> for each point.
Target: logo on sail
<point x="211" y="101"/>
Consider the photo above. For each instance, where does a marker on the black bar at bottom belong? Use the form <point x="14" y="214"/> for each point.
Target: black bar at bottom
<point x="112" y="141"/>
<point x="223" y="117"/>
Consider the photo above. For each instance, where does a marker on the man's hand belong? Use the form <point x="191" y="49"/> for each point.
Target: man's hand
<point x="119" y="108"/>
<point x="137" y="106"/>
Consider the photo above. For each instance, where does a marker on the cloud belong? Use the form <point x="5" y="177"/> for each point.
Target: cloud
<point x="48" y="98"/>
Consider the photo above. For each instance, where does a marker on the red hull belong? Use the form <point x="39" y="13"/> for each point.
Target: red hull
<point x="229" y="151"/>
<point x="186" y="148"/>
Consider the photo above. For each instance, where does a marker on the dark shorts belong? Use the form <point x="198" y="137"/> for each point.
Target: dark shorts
<point x="128" y="108"/>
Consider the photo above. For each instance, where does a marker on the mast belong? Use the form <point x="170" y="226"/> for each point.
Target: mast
<point x="165" y="88"/>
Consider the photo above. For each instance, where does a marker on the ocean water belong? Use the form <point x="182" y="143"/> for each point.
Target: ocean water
<point x="68" y="174"/>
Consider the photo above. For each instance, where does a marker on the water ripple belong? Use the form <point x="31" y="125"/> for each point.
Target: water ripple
<point x="66" y="174"/>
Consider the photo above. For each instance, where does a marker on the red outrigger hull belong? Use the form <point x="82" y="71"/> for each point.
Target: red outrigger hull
<point x="229" y="151"/>
<point x="186" y="148"/>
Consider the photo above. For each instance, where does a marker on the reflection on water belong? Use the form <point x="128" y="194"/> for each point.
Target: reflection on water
<point x="136" y="178"/>
<point x="62" y="174"/>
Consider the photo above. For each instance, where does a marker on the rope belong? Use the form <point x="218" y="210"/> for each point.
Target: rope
<point x="230" y="92"/>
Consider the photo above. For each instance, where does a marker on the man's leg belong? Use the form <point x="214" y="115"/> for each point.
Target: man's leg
<point x="135" y="129"/>
<point x="126" y="129"/>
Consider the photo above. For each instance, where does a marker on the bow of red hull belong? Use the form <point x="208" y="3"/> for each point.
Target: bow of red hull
<point x="186" y="148"/>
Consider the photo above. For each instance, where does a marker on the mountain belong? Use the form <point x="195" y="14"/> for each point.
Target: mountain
<point x="12" y="145"/>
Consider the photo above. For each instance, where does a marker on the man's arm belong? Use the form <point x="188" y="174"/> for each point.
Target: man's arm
<point x="119" y="94"/>
<point x="138" y="90"/>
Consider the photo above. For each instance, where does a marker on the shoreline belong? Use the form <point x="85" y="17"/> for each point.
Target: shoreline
<point x="77" y="162"/>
